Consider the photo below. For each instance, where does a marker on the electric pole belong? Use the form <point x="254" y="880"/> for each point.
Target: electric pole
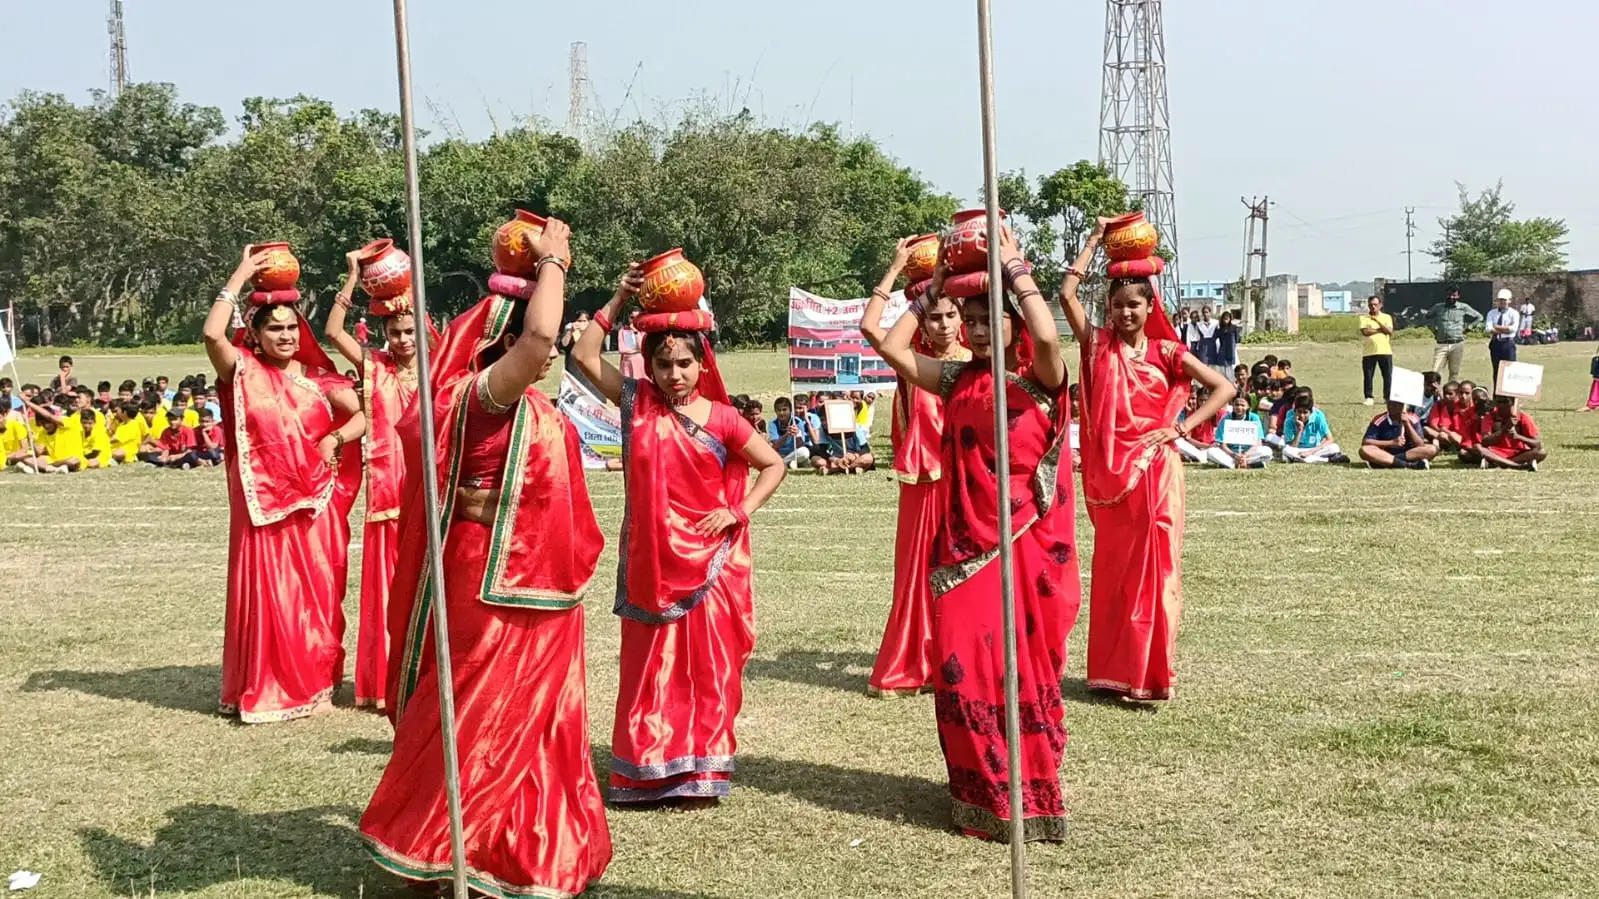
<point x="1410" y="232"/>
<point x="1258" y="210"/>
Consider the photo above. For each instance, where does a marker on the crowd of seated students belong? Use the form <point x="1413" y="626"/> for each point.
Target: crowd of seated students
<point x="1277" y="418"/>
<point x="798" y="432"/>
<point x="69" y="427"/>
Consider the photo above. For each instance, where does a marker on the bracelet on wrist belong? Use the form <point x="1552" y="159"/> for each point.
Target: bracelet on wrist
<point x="227" y="296"/>
<point x="342" y="300"/>
<point x="880" y="293"/>
<point x="739" y="514"/>
<point x="603" y="321"/>
<point x="552" y="258"/>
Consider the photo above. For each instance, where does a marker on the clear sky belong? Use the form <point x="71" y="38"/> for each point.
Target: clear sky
<point x="1344" y="113"/>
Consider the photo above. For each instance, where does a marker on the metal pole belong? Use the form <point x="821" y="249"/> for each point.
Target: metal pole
<point x="1007" y="595"/>
<point x="430" y="465"/>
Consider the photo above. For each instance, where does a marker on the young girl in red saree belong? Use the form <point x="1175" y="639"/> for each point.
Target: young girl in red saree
<point x="969" y="639"/>
<point x="684" y="583"/>
<point x="905" y="661"/>
<point x="521" y="543"/>
<point x="1136" y="376"/>
<point x="388" y="394"/>
<point x="288" y="417"/>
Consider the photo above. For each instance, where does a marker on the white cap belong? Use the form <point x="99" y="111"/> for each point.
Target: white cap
<point x="1505" y="294"/>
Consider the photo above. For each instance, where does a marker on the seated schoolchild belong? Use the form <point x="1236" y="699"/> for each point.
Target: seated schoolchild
<point x="1441" y="426"/>
<point x="1306" y="435"/>
<point x="1470" y="420"/>
<point x="1512" y="439"/>
<point x="1201" y="437"/>
<point x="1240" y="455"/>
<point x="1393" y="440"/>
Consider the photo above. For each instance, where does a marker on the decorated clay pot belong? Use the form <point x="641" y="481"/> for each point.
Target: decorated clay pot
<point x="385" y="269"/>
<point x="512" y="252"/>
<point x="1130" y="237"/>
<point x="281" y="270"/>
<point x="671" y="283"/>
<point x="966" y="248"/>
<point x="923" y="258"/>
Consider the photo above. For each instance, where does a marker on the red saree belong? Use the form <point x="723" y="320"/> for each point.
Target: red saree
<point x="389" y="397"/>
<point x="967" y="617"/>
<point x="535" y="821"/>
<point x="288" y="536"/>
<point x="685" y="601"/>
<point x="1135" y="498"/>
<point x="904" y="663"/>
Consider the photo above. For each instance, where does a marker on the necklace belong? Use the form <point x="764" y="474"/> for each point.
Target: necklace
<point x="406" y="373"/>
<point x="685" y="400"/>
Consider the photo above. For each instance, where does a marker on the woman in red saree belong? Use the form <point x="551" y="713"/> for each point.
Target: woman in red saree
<point x="388" y="394"/>
<point x="967" y="616"/>
<point x="522" y="544"/>
<point x="904" y="663"/>
<point x="684" y="582"/>
<point x="287" y="417"/>
<point x="1136" y="377"/>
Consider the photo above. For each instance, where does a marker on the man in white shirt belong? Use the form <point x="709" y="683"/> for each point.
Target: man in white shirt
<point x="1527" y="309"/>
<point x="1503" y="324"/>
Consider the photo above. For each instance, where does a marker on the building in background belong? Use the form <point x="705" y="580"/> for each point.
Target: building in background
<point x="1280" y="311"/>
<point x="1337" y="301"/>
<point x="1201" y="292"/>
<point x="1310" y="303"/>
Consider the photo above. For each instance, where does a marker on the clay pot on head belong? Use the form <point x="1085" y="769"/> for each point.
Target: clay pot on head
<point x="923" y="259"/>
<point x="281" y="270"/>
<point x="966" y="248"/>
<point x="671" y="283"/>
<point x="1130" y="237"/>
<point x="385" y="269"/>
<point x="513" y="254"/>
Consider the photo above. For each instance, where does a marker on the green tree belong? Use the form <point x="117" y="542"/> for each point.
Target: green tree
<point x="1054" y="217"/>
<point x="1483" y="239"/>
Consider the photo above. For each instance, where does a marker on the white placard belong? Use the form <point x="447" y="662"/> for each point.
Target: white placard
<point x="1520" y="379"/>
<point x="1240" y="432"/>
<point x="1076" y="434"/>
<point x="1407" y="387"/>
<point x="839" y="416"/>
<point x="5" y="348"/>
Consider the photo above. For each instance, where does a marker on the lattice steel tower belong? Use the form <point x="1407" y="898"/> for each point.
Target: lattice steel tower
<point x="1134" y="124"/>
<point x="119" y="48"/>
<point x="578" y="92"/>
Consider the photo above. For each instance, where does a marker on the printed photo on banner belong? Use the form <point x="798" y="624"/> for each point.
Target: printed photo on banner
<point x="1519" y="379"/>
<point x="826" y="352"/>
<point x="1408" y="387"/>
<point x="1235" y="432"/>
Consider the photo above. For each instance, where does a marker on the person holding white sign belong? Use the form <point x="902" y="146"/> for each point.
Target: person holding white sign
<point x="1241" y="439"/>
<point x="1394" y="440"/>
<point x="905" y="662"/>
<point x="1512" y="441"/>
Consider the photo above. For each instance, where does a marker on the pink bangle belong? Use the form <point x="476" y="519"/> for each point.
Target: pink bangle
<point x="602" y="321"/>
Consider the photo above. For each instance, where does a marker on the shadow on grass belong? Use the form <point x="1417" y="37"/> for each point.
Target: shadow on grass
<point x="186" y="688"/>
<point x="1076" y="690"/>
<point x="363" y="746"/>
<point x="317" y="848"/>
<point x="900" y="798"/>
<point x="206" y="845"/>
<point x="829" y="670"/>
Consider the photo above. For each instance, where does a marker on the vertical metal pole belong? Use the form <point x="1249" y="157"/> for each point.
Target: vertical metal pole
<point x="996" y="313"/>
<point x="430" y="465"/>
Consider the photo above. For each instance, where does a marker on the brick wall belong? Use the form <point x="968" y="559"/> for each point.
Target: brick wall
<point x="1569" y="299"/>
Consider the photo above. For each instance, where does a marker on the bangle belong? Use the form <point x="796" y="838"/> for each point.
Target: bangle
<point x="880" y="293"/>
<point x="558" y="261"/>
<point x="917" y="309"/>
<point x="1077" y="273"/>
<point x="1015" y="269"/>
<point x="341" y="300"/>
<point x="1028" y="293"/>
<point x="603" y="320"/>
<point x="740" y="515"/>
<point x="227" y="296"/>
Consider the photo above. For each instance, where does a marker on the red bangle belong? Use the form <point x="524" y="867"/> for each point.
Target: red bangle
<point x="742" y="516"/>
<point x="602" y="321"/>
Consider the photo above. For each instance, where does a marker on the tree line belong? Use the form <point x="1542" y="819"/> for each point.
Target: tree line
<point x="120" y="217"/>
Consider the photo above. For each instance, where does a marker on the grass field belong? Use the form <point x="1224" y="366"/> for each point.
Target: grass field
<point x="1389" y="686"/>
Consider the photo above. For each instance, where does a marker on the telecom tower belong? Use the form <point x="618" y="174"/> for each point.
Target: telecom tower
<point x="1134" y="124"/>
<point x="576" y="109"/>
<point x="119" y="49"/>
